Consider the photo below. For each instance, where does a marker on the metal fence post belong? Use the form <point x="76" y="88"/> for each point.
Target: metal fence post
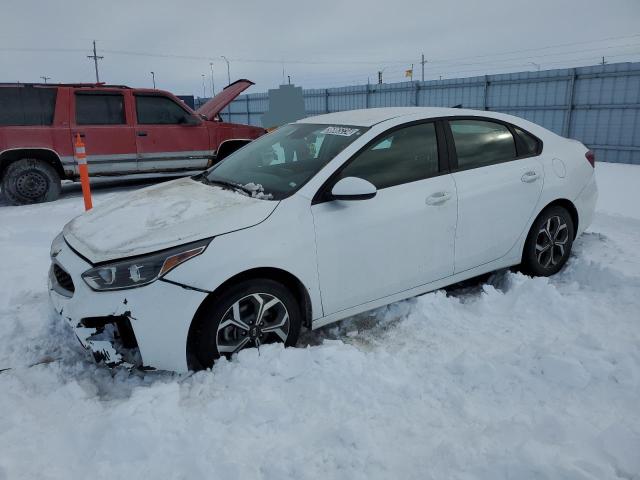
<point x="326" y="100"/>
<point x="417" y="88"/>
<point x="486" y="92"/>
<point x="366" y="97"/>
<point x="566" y="127"/>
<point x="248" y="111"/>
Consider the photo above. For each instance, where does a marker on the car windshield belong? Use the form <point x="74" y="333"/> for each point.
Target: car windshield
<point x="276" y="165"/>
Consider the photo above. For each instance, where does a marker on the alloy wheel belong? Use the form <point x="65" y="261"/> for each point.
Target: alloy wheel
<point x="551" y="242"/>
<point x="253" y="320"/>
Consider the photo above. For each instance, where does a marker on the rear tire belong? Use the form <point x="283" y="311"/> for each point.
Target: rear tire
<point x="31" y="181"/>
<point x="236" y="318"/>
<point x="548" y="243"/>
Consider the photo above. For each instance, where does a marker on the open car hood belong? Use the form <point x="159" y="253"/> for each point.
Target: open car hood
<point x="162" y="216"/>
<point x="214" y="106"/>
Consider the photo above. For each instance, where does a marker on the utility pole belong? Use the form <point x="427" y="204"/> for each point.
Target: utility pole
<point x="213" y="90"/>
<point x="379" y="77"/>
<point x="228" y="71"/>
<point x="95" y="58"/>
<point x="603" y="62"/>
<point x="422" y="62"/>
<point x="153" y="78"/>
<point x="204" y="92"/>
<point x="45" y="78"/>
<point x="289" y="79"/>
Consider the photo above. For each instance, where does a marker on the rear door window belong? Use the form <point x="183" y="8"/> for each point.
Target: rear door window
<point x="402" y="156"/>
<point x="479" y="143"/>
<point x="158" y="110"/>
<point x="27" y="105"/>
<point x="99" y="108"/>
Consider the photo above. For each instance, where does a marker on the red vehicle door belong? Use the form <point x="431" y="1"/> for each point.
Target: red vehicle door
<point x="103" y="117"/>
<point x="168" y="136"/>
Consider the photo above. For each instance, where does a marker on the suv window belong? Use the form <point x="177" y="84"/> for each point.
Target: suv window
<point x="529" y="143"/>
<point x="157" y="110"/>
<point x="404" y="155"/>
<point x="27" y="105"/>
<point x="99" y="108"/>
<point x="480" y="142"/>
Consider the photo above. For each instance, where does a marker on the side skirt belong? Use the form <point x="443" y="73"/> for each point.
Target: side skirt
<point x="414" y="292"/>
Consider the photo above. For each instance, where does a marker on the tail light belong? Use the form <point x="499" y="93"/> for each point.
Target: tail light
<point x="591" y="158"/>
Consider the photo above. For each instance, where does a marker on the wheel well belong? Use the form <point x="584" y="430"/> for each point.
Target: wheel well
<point x="281" y="276"/>
<point x="227" y="147"/>
<point x="570" y="207"/>
<point x="48" y="156"/>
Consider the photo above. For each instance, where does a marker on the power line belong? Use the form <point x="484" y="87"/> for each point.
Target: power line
<point x="444" y="64"/>
<point x="559" y="45"/>
<point x="316" y="62"/>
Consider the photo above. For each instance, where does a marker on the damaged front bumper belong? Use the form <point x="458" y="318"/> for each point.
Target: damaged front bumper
<point x="143" y="327"/>
<point x="110" y="339"/>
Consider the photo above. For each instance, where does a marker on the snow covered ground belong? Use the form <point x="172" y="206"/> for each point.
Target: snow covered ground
<point x="516" y="378"/>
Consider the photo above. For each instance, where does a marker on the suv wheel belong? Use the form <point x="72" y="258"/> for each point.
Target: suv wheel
<point x="31" y="181"/>
<point x="246" y="315"/>
<point x="549" y="242"/>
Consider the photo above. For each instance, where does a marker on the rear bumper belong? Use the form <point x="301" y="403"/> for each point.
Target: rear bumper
<point x="586" y="205"/>
<point x="145" y="327"/>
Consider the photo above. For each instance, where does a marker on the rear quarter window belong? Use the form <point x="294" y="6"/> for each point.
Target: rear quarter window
<point x="27" y="105"/>
<point x="529" y="145"/>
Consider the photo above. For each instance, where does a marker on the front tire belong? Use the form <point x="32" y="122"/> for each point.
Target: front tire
<point x="31" y="181"/>
<point x="548" y="243"/>
<point x="245" y="315"/>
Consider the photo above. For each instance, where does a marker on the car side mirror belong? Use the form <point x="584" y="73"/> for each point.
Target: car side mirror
<point x="353" y="188"/>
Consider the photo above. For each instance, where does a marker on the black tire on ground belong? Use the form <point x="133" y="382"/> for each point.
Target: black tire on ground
<point x="31" y="181"/>
<point x="205" y="336"/>
<point x="548" y="243"/>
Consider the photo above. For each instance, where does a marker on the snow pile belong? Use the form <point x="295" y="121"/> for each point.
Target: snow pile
<point x="257" y="191"/>
<point x="511" y="378"/>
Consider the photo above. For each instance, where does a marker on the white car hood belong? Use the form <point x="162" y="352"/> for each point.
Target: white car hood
<point x="162" y="216"/>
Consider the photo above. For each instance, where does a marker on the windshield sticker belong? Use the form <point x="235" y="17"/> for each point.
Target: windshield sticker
<point x="342" y="131"/>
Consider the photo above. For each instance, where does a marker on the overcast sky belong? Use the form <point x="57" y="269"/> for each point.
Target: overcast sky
<point x="319" y="44"/>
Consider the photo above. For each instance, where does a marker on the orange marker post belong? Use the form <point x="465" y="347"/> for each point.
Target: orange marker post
<point x="81" y="158"/>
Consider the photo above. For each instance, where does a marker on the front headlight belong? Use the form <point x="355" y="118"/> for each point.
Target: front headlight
<point x="56" y="245"/>
<point x="138" y="271"/>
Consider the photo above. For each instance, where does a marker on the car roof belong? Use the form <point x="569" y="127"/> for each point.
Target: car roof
<point x="372" y="116"/>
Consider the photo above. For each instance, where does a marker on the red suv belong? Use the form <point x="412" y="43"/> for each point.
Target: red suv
<point x="125" y="131"/>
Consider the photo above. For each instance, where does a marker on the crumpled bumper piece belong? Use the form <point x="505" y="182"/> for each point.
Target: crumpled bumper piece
<point x="110" y="339"/>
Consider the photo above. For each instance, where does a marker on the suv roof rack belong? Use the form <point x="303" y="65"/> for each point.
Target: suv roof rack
<point x="84" y="85"/>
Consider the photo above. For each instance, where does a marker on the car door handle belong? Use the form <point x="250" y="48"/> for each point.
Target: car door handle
<point x="141" y="134"/>
<point x="529" y="177"/>
<point x="438" y="198"/>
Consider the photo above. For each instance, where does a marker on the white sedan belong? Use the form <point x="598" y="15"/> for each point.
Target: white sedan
<point x="320" y="220"/>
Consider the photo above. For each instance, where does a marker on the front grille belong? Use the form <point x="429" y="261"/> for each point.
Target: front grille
<point x="63" y="278"/>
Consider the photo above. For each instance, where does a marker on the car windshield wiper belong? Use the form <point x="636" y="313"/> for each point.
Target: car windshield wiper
<point x="229" y="185"/>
